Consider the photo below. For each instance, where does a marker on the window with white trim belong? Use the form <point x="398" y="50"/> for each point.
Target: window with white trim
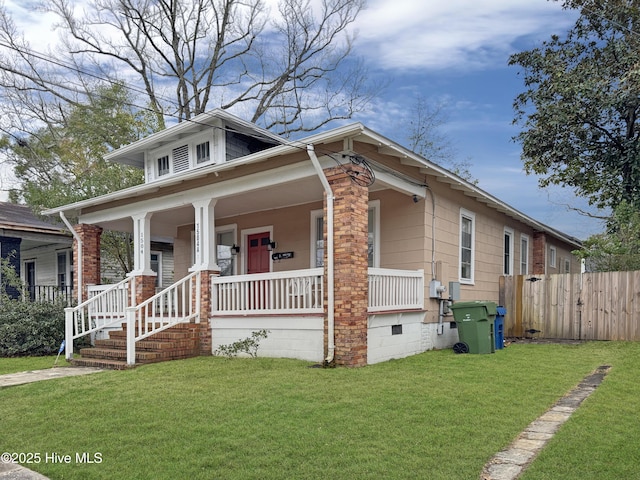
<point x="225" y="241"/>
<point x="552" y="257"/>
<point x="203" y="152"/>
<point x="524" y="254"/>
<point x="317" y="239"/>
<point x="64" y="269"/>
<point x="163" y="166"/>
<point x="507" y="267"/>
<point x="156" y="265"/>
<point x="373" y="235"/>
<point x="467" y="246"/>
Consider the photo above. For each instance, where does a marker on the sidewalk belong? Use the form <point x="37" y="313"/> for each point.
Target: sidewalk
<point x="11" y="379"/>
<point x="14" y="471"/>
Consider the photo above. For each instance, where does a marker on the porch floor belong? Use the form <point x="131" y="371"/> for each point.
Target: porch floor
<point x="178" y="342"/>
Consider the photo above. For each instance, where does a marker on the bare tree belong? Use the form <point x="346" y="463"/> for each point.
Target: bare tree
<point x="290" y="70"/>
<point x="426" y="138"/>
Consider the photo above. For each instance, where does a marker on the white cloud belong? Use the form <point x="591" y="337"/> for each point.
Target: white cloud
<point x="405" y="34"/>
<point x="36" y="25"/>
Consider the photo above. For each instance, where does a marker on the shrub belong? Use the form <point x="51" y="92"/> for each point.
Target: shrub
<point x="30" y="328"/>
<point x="26" y="328"/>
<point x="248" y="346"/>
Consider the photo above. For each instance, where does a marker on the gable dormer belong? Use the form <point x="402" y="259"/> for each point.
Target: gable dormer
<point x="187" y="153"/>
<point x="209" y="139"/>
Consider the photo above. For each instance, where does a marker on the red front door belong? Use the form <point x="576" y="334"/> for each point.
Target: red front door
<point x="258" y="252"/>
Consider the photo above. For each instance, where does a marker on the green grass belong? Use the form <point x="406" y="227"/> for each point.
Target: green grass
<point x="436" y="415"/>
<point x="23" y="364"/>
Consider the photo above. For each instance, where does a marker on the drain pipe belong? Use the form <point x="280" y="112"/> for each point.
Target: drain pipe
<point x="79" y="240"/>
<point x="433" y="233"/>
<point x="330" y="274"/>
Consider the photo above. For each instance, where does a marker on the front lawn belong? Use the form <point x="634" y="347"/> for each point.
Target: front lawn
<point x="23" y="364"/>
<point x="436" y="415"/>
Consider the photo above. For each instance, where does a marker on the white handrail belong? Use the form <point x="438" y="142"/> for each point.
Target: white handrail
<point x="105" y="309"/>
<point x="178" y="303"/>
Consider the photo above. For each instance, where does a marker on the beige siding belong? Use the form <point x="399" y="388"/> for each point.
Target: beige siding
<point x="405" y="239"/>
<point x="402" y="231"/>
<point x="489" y="242"/>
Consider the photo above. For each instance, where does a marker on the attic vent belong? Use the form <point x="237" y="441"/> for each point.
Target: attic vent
<point x="181" y="158"/>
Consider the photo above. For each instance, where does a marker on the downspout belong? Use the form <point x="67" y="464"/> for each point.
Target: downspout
<point x="330" y="241"/>
<point x="79" y="240"/>
<point x="433" y="233"/>
<point x="441" y="301"/>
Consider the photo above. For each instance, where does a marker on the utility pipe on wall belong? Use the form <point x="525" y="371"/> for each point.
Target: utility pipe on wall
<point x="330" y="242"/>
<point x="80" y="248"/>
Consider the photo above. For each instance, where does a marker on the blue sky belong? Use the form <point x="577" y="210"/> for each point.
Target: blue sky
<point x="457" y="52"/>
<point x="453" y="52"/>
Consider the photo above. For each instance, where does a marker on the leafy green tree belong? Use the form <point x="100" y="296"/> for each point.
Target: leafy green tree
<point x="617" y="249"/>
<point x="581" y="107"/>
<point x="62" y="162"/>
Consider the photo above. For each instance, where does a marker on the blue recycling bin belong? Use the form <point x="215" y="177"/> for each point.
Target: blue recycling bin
<point x="498" y="327"/>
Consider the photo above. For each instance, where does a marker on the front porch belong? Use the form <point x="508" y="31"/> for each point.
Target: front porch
<point x="291" y="305"/>
<point x="317" y="262"/>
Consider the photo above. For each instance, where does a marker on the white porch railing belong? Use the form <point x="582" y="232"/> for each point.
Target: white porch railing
<point x="105" y="307"/>
<point x="391" y="289"/>
<point x="179" y="303"/>
<point x="302" y="291"/>
<point x="295" y="291"/>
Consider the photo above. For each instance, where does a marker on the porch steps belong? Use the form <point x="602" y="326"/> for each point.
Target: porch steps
<point x="178" y="342"/>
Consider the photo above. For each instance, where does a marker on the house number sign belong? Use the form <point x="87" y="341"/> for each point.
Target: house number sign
<point x="282" y="255"/>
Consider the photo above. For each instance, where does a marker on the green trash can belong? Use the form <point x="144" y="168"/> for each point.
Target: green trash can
<point x="475" y="321"/>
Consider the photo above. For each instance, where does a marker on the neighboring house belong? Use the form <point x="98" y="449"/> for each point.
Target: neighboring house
<point x="252" y="216"/>
<point x="40" y="252"/>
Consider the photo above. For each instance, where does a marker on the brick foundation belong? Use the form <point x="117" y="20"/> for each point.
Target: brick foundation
<point x="351" y="206"/>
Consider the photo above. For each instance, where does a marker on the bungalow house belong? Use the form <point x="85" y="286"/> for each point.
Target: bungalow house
<point x="39" y="251"/>
<point x="345" y="246"/>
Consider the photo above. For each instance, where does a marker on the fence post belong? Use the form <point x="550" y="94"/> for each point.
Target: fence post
<point x="214" y="292"/>
<point x="68" y="333"/>
<point x="131" y="335"/>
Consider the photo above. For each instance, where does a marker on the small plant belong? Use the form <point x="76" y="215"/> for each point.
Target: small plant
<point x="249" y="345"/>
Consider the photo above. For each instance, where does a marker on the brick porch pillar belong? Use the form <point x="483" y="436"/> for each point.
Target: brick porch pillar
<point x="145" y="286"/>
<point x="90" y="237"/>
<point x="539" y="253"/>
<point x="351" y="206"/>
<point x="204" y="331"/>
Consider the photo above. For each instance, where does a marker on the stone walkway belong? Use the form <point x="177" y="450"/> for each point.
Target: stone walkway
<point x="511" y="462"/>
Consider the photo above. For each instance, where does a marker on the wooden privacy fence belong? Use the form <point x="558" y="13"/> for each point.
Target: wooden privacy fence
<point x="588" y="306"/>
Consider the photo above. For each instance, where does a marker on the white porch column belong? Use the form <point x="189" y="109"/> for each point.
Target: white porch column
<point x="205" y="236"/>
<point x="142" y="244"/>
